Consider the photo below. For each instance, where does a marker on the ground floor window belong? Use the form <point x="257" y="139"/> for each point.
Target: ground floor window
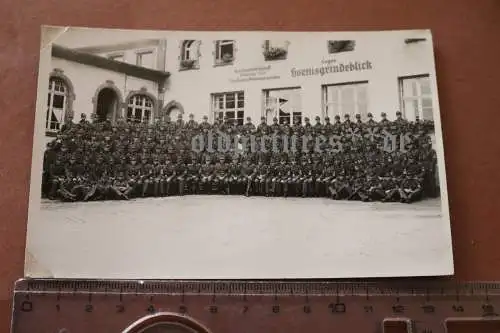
<point x="230" y="105"/>
<point x="284" y="104"/>
<point x="345" y="98"/>
<point x="140" y="109"/>
<point x="416" y="97"/>
<point x="56" y="104"/>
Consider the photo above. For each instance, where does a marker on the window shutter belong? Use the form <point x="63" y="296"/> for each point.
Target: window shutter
<point x="216" y="52"/>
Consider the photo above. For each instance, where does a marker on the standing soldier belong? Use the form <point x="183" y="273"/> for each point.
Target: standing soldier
<point x="249" y="127"/>
<point x="318" y="128"/>
<point x="308" y="128"/>
<point x="297" y="127"/>
<point x="328" y="127"/>
<point x="384" y="122"/>
<point x="371" y="123"/>
<point x="337" y="125"/>
<point x="347" y="125"/>
<point x="191" y="124"/>
<point x="263" y="128"/>
<point x="275" y="127"/>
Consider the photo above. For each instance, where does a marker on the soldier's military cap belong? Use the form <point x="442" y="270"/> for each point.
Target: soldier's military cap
<point x="191" y="115"/>
<point x="327" y="118"/>
<point x="398" y="113"/>
<point x="383" y="114"/>
<point x="205" y="117"/>
<point x="358" y="116"/>
<point x="369" y="115"/>
<point x="317" y="118"/>
<point x="248" y="118"/>
<point x="337" y="117"/>
<point x="346" y="116"/>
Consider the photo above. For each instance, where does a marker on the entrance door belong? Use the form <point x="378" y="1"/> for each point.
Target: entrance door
<point x="107" y="103"/>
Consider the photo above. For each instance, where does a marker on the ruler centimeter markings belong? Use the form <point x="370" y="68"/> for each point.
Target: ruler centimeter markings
<point x="77" y="306"/>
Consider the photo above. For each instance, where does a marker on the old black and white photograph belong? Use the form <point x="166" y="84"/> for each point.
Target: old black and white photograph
<point x="237" y="154"/>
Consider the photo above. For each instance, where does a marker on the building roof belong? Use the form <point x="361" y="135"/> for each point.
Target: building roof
<point x="109" y="64"/>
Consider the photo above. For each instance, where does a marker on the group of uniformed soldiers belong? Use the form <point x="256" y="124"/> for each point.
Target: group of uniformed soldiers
<point x="100" y="161"/>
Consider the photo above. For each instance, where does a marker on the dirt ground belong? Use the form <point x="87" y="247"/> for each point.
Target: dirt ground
<point x="238" y="237"/>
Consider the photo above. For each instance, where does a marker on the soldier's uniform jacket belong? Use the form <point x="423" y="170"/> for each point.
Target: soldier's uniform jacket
<point x="249" y="127"/>
<point x="263" y="128"/>
<point x="207" y="170"/>
<point x="411" y="184"/>
<point x="191" y="124"/>
<point x="235" y="169"/>
<point x="221" y="169"/>
<point x="169" y="169"/>
<point x="318" y="128"/>
<point x="134" y="171"/>
<point x="275" y="127"/>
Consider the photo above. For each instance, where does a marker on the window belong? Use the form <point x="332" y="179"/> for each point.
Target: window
<point x="116" y="57"/>
<point x="416" y="97"/>
<point x="189" y="54"/>
<point x="56" y="104"/>
<point x="145" y="59"/>
<point x="345" y="98"/>
<point x="337" y="46"/>
<point x="275" y="49"/>
<point x="231" y="104"/>
<point x="284" y="104"/>
<point x="224" y="52"/>
<point x="140" y="109"/>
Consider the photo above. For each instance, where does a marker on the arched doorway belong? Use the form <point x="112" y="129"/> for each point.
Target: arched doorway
<point x="173" y="109"/>
<point x="107" y="105"/>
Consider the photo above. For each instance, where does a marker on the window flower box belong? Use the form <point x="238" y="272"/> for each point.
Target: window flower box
<point x="275" y="53"/>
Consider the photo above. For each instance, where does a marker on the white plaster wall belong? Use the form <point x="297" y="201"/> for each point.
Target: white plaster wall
<point x="87" y="79"/>
<point x="390" y="57"/>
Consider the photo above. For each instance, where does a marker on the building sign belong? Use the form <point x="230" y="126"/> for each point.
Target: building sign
<point x="253" y="74"/>
<point x="332" y="66"/>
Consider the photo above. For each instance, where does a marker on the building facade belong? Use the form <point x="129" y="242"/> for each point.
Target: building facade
<point x="287" y="76"/>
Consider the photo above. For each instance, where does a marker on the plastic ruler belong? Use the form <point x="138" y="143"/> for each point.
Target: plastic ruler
<point x="427" y="306"/>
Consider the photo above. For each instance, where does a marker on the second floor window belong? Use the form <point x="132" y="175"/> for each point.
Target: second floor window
<point x="224" y="52"/>
<point x="145" y="59"/>
<point x="275" y="49"/>
<point x="189" y="54"/>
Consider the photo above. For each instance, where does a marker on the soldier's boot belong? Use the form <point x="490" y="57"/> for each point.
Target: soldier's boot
<point x="53" y="189"/>
<point x="90" y="193"/>
<point x="249" y="185"/>
<point x="402" y="196"/>
<point x="285" y="189"/>
<point x="181" y="186"/>
<point x="156" y="188"/>
<point x="333" y="193"/>
<point x="317" y="189"/>
<point x="128" y="192"/>
<point x="305" y="186"/>
<point x="145" y="188"/>
<point x="167" y="189"/>
<point x="266" y="186"/>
